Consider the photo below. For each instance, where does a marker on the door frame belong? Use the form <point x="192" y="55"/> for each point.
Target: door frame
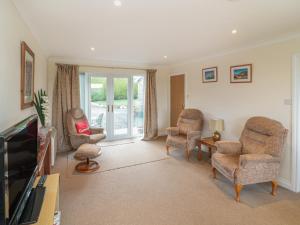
<point x="110" y="94"/>
<point x="296" y="122"/>
<point x="184" y="91"/>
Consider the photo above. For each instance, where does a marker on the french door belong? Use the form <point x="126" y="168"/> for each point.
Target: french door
<point x="116" y="103"/>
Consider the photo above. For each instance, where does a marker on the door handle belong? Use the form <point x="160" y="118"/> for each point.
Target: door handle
<point x="107" y="108"/>
<point x="112" y="108"/>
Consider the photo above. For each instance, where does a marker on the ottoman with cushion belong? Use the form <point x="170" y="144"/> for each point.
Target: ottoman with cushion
<point x="85" y="153"/>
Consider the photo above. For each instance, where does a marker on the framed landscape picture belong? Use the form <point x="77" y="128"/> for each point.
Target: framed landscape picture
<point x="27" y="76"/>
<point x="241" y="74"/>
<point x="210" y="75"/>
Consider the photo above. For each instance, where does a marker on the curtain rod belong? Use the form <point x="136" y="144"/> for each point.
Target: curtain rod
<point x="107" y="67"/>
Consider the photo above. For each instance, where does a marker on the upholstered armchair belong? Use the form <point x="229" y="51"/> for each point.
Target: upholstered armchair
<point x="255" y="158"/>
<point x="187" y="132"/>
<point x="76" y="116"/>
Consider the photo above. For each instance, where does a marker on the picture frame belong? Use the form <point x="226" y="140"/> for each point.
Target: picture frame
<point x="210" y="74"/>
<point x="27" y="76"/>
<point x="241" y="73"/>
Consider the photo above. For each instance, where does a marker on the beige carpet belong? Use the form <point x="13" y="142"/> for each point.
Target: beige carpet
<point x="121" y="154"/>
<point x="118" y="142"/>
<point x="169" y="192"/>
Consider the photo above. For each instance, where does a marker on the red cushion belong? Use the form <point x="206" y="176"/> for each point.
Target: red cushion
<point x="83" y="127"/>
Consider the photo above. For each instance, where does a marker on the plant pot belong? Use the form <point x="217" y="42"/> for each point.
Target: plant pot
<point x="43" y="131"/>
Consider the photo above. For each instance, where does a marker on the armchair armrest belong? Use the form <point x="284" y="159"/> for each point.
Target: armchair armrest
<point x="80" y="136"/>
<point x="193" y="135"/>
<point x="97" y="130"/>
<point x="79" y="139"/>
<point x="173" y="131"/>
<point x="254" y="159"/>
<point x="229" y="147"/>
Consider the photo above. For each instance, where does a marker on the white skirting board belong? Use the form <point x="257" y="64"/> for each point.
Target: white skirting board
<point x="285" y="183"/>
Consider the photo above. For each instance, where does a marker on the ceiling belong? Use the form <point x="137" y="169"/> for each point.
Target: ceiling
<point x="144" y="31"/>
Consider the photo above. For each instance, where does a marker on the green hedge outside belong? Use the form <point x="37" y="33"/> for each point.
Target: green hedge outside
<point x="120" y="90"/>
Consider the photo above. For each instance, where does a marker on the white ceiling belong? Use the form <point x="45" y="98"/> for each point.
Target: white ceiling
<point x="144" y="31"/>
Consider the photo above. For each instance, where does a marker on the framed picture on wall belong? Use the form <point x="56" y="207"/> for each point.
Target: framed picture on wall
<point x="210" y="75"/>
<point x="241" y="74"/>
<point x="27" y="76"/>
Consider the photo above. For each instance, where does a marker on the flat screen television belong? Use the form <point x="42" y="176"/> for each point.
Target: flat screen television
<point x="18" y="166"/>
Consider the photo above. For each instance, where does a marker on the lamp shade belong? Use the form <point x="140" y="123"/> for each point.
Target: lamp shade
<point x="216" y="125"/>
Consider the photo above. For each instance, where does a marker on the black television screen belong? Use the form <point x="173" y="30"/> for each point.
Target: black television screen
<point x="20" y="162"/>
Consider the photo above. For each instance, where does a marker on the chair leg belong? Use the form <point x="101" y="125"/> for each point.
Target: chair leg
<point x="214" y="172"/>
<point x="199" y="152"/>
<point x="188" y="153"/>
<point x="238" y="188"/>
<point x="274" y="187"/>
<point x="167" y="147"/>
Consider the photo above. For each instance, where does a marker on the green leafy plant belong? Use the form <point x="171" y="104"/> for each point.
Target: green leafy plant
<point x="39" y="103"/>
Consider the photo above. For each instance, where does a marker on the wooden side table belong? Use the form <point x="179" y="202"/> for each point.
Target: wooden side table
<point x="209" y="142"/>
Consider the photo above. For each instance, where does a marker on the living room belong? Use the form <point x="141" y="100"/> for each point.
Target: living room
<point x="168" y="92"/>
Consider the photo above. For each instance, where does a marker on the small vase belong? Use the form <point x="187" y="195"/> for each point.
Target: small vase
<point x="43" y="131"/>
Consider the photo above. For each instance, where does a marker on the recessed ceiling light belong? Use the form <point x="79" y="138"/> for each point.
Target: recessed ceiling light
<point x="165" y="57"/>
<point x="117" y="3"/>
<point x="234" y="31"/>
<point x="93" y="49"/>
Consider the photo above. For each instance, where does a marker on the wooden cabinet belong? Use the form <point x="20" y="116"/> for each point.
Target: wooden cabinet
<point x="44" y="156"/>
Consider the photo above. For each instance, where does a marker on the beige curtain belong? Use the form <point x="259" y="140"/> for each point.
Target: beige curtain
<point x="150" y="124"/>
<point x="66" y="95"/>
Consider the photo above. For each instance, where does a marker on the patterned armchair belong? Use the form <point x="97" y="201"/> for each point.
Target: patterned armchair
<point x="77" y="115"/>
<point x="253" y="159"/>
<point x="187" y="132"/>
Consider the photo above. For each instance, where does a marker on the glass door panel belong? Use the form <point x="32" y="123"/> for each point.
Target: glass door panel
<point x="98" y="101"/>
<point x="138" y="106"/>
<point x="120" y="107"/>
<point x="114" y="102"/>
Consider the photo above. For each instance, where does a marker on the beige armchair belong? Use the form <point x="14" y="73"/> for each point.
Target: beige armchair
<point x="74" y="116"/>
<point x="187" y="132"/>
<point x="253" y="159"/>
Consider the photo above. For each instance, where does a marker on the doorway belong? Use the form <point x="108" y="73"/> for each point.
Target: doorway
<point x="114" y="102"/>
<point x="177" y="88"/>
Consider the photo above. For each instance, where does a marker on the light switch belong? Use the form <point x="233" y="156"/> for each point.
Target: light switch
<point x="288" y="101"/>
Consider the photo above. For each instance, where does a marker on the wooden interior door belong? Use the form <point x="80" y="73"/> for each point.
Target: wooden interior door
<point x="177" y="97"/>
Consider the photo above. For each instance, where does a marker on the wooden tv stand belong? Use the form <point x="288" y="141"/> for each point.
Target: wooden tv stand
<point x="51" y="200"/>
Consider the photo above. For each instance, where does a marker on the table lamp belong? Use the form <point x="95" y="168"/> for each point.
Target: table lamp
<point x="216" y="126"/>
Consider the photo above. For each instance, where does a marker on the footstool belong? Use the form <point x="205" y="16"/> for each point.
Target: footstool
<point x="85" y="153"/>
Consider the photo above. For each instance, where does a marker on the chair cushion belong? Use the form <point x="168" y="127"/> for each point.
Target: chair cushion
<point x="226" y="164"/>
<point x="179" y="141"/>
<point x="87" y="151"/>
<point x="190" y="120"/>
<point x="83" y="127"/>
<point x="77" y="113"/>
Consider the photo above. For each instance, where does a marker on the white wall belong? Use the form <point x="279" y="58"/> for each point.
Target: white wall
<point x="163" y="98"/>
<point x="268" y="95"/>
<point x="13" y="31"/>
<point x="161" y="80"/>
